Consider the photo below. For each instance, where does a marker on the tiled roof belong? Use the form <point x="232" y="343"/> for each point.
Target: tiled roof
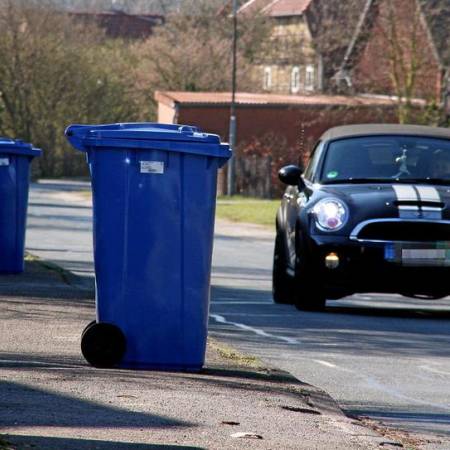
<point x="437" y="17"/>
<point x="275" y="8"/>
<point x="333" y="25"/>
<point x="243" y="98"/>
<point x="283" y="8"/>
<point x="253" y="6"/>
<point x="121" y="25"/>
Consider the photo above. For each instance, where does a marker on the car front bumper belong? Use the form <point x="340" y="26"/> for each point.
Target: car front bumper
<point x="366" y="266"/>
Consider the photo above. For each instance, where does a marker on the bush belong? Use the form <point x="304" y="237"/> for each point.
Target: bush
<point x="54" y="72"/>
<point x="273" y="149"/>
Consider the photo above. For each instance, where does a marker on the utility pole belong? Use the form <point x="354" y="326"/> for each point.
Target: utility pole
<point x="231" y="185"/>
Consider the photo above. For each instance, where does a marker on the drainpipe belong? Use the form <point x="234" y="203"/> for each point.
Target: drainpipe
<point x="446" y="94"/>
<point x="176" y="115"/>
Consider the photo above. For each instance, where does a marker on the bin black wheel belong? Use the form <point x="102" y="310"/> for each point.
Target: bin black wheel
<point x="103" y="344"/>
<point x="89" y="325"/>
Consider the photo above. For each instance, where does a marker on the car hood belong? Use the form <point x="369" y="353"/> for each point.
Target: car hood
<point x="408" y="201"/>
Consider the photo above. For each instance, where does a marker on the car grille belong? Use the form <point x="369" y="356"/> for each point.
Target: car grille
<point x="405" y="231"/>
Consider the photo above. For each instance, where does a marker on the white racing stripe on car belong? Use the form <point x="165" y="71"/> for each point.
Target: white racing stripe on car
<point x="405" y="193"/>
<point x="428" y="194"/>
<point x="431" y="213"/>
<point x="418" y="194"/>
<point x="408" y="212"/>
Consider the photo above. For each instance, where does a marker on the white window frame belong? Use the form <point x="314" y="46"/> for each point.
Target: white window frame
<point x="295" y="80"/>
<point x="310" y="77"/>
<point x="267" y="80"/>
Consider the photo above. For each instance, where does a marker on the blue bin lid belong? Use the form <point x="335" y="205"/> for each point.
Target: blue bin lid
<point x="147" y="136"/>
<point x="18" y="147"/>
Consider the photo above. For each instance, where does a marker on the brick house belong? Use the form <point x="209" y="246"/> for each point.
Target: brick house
<point x="341" y="46"/>
<point x="303" y="52"/>
<point x="289" y="63"/>
<point x="118" y="24"/>
<point x="282" y="126"/>
<point x="401" y="47"/>
<point x="282" y="115"/>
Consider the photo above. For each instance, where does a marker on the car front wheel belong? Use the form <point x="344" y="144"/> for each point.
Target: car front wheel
<point x="282" y="283"/>
<point x="309" y="292"/>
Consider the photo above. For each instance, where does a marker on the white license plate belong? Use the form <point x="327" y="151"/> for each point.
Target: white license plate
<point x="410" y="255"/>
<point x="427" y="254"/>
<point x="425" y="257"/>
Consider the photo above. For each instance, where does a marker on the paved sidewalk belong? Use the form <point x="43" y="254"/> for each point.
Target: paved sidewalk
<point x="51" y="399"/>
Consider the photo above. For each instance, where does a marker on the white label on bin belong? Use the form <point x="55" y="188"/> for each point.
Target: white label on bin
<point x="4" y="161"/>
<point x="155" y="167"/>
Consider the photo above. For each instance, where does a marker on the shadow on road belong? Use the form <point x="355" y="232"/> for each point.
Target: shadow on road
<point x="57" y="205"/>
<point x="55" y="443"/>
<point x="407" y="313"/>
<point x="45" y="280"/>
<point x="58" y="218"/>
<point x="353" y="329"/>
<point x="31" y="406"/>
<point x="81" y="226"/>
<point x="410" y="418"/>
<point x="62" y="185"/>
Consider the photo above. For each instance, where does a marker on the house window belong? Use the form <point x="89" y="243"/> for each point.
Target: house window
<point x="310" y="77"/>
<point x="267" y="78"/>
<point x="295" y="80"/>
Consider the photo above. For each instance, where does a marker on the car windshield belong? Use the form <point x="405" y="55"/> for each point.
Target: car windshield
<point x="387" y="159"/>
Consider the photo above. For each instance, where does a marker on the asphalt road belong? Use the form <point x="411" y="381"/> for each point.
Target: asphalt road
<point x="380" y="356"/>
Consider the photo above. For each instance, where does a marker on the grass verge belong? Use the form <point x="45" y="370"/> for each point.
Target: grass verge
<point x="4" y="445"/>
<point x="230" y="354"/>
<point x="237" y="209"/>
<point x="64" y="274"/>
<point x="250" y="210"/>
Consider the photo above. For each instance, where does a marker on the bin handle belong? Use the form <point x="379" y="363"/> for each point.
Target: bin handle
<point x="187" y="129"/>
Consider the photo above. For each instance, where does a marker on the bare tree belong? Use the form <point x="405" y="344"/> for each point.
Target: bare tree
<point x="54" y="72"/>
<point x="397" y="58"/>
<point x="192" y="52"/>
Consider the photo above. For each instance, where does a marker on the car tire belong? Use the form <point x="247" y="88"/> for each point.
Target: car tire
<point x="309" y="294"/>
<point x="282" y="283"/>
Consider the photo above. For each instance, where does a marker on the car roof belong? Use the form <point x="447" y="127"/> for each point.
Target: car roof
<point x="384" y="129"/>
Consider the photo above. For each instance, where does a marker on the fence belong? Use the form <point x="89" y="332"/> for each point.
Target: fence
<point x="254" y="176"/>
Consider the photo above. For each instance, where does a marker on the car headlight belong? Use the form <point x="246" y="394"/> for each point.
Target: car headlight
<point x="331" y="214"/>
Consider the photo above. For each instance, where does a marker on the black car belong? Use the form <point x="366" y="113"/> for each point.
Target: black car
<point x="371" y="213"/>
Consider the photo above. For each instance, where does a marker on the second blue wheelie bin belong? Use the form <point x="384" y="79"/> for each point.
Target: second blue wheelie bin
<point x="15" y="160"/>
<point x="154" y="195"/>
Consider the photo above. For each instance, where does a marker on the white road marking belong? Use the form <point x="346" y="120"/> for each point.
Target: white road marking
<point x="430" y="369"/>
<point x="374" y="384"/>
<point x="395" y="393"/>
<point x="215" y="302"/>
<point x="257" y="331"/>
<point x="324" y="363"/>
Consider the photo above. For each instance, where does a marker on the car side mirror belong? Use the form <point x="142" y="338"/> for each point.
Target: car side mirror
<point x="292" y="176"/>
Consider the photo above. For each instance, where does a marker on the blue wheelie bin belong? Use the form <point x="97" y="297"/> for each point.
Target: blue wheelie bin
<point x="15" y="160"/>
<point x="154" y="196"/>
